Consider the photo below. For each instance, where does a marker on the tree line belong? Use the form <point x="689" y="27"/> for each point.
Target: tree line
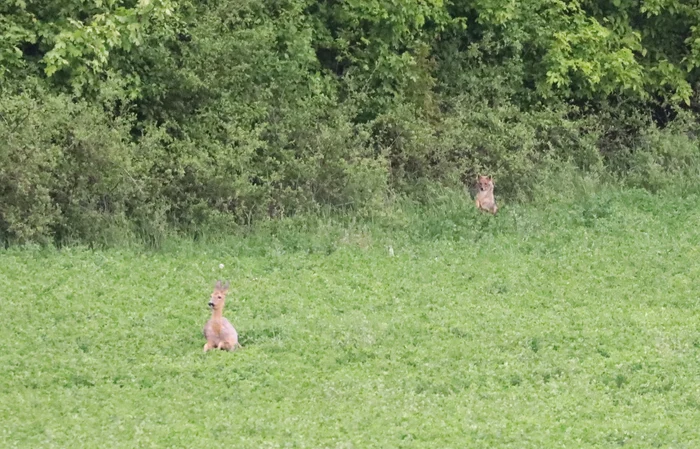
<point x="144" y="115"/>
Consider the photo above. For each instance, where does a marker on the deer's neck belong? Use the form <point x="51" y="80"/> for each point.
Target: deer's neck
<point x="218" y="313"/>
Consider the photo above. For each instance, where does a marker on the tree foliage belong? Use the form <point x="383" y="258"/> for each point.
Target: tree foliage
<point x="236" y="110"/>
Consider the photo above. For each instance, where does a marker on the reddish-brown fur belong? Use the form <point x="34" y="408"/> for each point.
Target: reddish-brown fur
<point x="484" y="195"/>
<point x="218" y="331"/>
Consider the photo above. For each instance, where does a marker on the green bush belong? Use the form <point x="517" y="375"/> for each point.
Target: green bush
<point x="122" y="120"/>
<point x="472" y="136"/>
<point x="666" y="158"/>
<point x="65" y="166"/>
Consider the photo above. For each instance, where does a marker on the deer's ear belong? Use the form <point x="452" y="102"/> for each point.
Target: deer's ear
<point x="218" y="285"/>
<point x="227" y="285"/>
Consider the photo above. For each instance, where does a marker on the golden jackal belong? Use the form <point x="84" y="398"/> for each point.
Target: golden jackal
<point x="218" y="331"/>
<point x="484" y="195"/>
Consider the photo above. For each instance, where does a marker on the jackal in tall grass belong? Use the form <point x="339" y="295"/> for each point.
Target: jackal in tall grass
<point x="484" y="195"/>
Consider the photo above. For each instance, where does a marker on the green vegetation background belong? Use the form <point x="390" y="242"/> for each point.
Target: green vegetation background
<point x="320" y="151"/>
<point x="125" y="120"/>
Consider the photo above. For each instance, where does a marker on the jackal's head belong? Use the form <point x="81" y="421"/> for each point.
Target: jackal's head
<point x="219" y="295"/>
<point x="484" y="183"/>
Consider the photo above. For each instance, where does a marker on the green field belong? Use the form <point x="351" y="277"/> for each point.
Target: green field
<point x="573" y="323"/>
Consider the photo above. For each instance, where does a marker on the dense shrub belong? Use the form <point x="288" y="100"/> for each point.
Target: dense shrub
<point x="65" y="167"/>
<point x="122" y="119"/>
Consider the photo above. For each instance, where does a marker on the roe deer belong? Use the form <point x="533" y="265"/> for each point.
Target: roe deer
<point x="484" y="195"/>
<point x="218" y="331"/>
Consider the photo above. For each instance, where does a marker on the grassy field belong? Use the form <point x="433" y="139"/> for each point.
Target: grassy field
<point x="568" y="324"/>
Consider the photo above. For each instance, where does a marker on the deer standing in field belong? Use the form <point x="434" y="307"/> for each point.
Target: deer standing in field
<point x="218" y="331"/>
